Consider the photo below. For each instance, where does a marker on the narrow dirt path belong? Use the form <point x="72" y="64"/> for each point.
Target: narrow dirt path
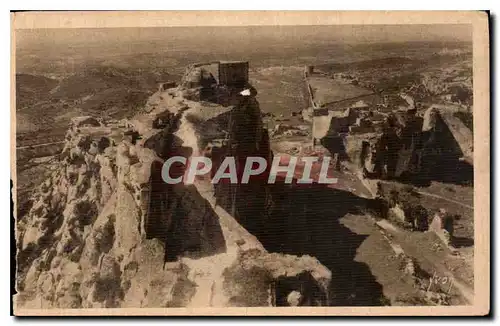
<point x="206" y="273"/>
<point x="40" y="145"/>
<point x="446" y="199"/>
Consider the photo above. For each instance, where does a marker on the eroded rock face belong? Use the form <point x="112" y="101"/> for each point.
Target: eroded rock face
<point x="442" y="226"/>
<point x="404" y="207"/>
<point x="106" y="231"/>
<point x="415" y="147"/>
<point x="397" y="149"/>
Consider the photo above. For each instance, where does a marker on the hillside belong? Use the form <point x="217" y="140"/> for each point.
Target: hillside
<point x="101" y="90"/>
<point x="31" y="89"/>
<point x="95" y="237"/>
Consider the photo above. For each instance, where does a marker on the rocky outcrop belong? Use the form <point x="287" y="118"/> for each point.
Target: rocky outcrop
<point x="410" y="146"/>
<point x="442" y="226"/>
<point x="106" y="231"/>
<point x="403" y="206"/>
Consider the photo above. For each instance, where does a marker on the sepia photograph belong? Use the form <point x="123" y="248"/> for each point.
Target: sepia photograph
<point x="266" y="163"/>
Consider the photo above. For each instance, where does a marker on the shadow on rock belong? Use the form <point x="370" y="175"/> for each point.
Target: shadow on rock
<point x="461" y="242"/>
<point x="305" y="221"/>
<point x="182" y="218"/>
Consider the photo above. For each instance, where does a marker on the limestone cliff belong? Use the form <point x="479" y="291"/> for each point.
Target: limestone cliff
<point x="106" y="231"/>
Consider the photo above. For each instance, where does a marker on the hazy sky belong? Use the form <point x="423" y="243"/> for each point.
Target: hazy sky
<point x="340" y="33"/>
